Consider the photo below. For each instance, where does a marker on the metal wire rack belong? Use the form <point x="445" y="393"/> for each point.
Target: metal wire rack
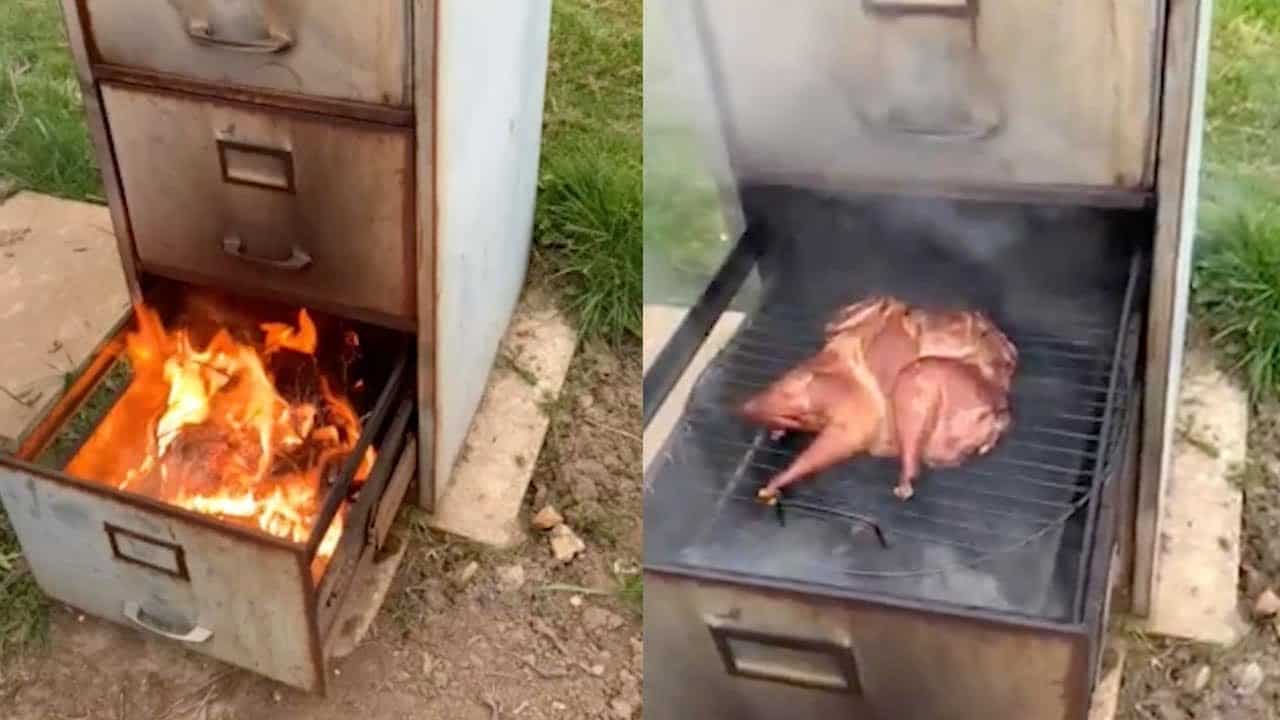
<point x="1007" y="531"/>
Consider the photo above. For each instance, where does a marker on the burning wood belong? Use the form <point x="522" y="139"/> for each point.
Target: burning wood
<point x="208" y="429"/>
<point x="893" y="380"/>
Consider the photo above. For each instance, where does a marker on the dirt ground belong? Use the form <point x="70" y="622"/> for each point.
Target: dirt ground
<point x="1176" y="680"/>
<point x="519" y="636"/>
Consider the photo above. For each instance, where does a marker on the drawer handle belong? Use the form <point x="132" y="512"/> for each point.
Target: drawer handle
<point x="951" y="8"/>
<point x="791" y="661"/>
<point x="275" y="41"/>
<point x="903" y="120"/>
<point x="298" y="258"/>
<point x="962" y="104"/>
<point x="137" y="616"/>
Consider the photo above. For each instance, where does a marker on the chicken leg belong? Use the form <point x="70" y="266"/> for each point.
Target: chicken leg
<point x="849" y="433"/>
<point x="945" y="411"/>
<point x="916" y="402"/>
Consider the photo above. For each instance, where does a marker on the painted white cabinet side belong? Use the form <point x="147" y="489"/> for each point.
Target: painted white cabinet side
<point x="491" y="82"/>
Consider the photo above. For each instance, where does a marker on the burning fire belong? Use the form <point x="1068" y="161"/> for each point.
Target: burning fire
<point x="208" y="430"/>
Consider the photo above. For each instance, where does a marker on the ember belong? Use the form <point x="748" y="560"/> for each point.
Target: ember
<point x="208" y="430"/>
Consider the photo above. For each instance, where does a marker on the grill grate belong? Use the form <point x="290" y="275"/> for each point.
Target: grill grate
<point x="1015" y="501"/>
<point x="1007" y="532"/>
<point x="1037" y="475"/>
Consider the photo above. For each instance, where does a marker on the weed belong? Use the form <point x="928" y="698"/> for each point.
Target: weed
<point x="24" y="611"/>
<point x="1189" y="434"/>
<point x="596" y="524"/>
<point x="591" y="220"/>
<point x="589" y="198"/>
<point x="632" y="592"/>
<point x="1237" y="292"/>
<point x="511" y="361"/>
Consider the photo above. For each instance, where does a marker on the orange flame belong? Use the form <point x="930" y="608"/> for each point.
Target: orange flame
<point x="207" y="430"/>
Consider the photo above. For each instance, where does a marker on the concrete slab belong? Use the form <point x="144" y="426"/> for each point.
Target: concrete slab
<point x="493" y="472"/>
<point x="660" y="322"/>
<point x="62" y="290"/>
<point x="1194" y="595"/>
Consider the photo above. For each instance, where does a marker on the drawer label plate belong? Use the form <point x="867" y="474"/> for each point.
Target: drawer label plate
<point x="158" y="555"/>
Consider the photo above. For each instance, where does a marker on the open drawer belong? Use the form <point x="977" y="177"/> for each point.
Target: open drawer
<point x="281" y="604"/>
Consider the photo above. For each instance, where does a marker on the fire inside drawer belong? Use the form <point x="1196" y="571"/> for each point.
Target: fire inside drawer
<point x="218" y="475"/>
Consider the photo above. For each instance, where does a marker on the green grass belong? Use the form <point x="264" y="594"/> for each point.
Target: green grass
<point x="24" y="611"/>
<point x="43" y="142"/>
<point x="632" y="593"/>
<point x="1236" y="286"/>
<point x="590" y="188"/>
<point x="1237" y="292"/>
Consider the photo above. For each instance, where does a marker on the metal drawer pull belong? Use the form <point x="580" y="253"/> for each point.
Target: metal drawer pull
<point x="298" y="258"/>
<point x="253" y="165"/>
<point x="274" y="42"/>
<point x="901" y="120"/>
<point x="791" y="661"/>
<point x="134" y="612"/>
<point x="955" y="8"/>
<point x="958" y="102"/>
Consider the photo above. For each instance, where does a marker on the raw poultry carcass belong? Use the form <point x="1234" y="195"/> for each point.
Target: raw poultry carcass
<point x="893" y="380"/>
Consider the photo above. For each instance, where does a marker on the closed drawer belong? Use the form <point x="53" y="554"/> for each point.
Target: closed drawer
<point x="358" y="51"/>
<point x="299" y="207"/>
<point x="996" y="93"/>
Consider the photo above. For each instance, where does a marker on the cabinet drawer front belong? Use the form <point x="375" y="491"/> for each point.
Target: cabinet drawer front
<point x="995" y="93"/>
<point x="299" y="207"/>
<point x="213" y="592"/>
<point x="334" y="49"/>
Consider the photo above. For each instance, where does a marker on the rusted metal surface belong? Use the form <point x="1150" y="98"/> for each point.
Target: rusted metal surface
<point x="355" y="535"/>
<point x="184" y="213"/>
<point x="1126" y="510"/>
<point x="283" y="100"/>
<point x="373" y="574"/>
<point x="945" y="93"/>
<point x="325" y="48"/>
<point x="907" y="664"/>
<point x="424" y="220"/>
<point x="1185" y="70"/>
<point x="361" y="603"/>
<point x="389" y="507"/>
<point x="243" y="600"/>
<point x="377" y="419"/>
<point x="80" y="44"/>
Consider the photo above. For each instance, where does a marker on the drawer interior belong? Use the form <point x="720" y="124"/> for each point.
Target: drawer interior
<point x="356" y="374"/>
<point x="217" y="578"/>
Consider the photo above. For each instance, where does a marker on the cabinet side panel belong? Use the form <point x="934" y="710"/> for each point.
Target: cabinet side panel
<point x="490" y="83"/>
<point x="95" y="120"/>
<point x="1177" y="187"/>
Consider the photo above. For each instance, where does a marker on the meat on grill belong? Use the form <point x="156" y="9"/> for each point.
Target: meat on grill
<point x="893" y="381"/>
